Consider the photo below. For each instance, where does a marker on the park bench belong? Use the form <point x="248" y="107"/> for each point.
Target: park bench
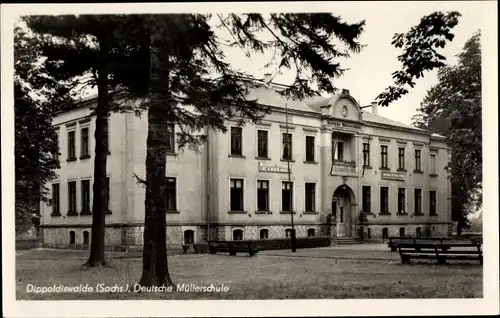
<point x="232" y="247"/>
<point x="440" y="252"/>
<point x="395" y="241"/>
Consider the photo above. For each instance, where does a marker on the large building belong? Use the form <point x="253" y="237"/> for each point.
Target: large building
<point x="353" y="174"/>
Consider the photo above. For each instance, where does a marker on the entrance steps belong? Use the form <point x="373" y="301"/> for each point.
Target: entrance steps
<point x="350" y="240"/>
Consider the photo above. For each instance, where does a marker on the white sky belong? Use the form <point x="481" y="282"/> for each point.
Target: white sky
<point x="370" y="71"/>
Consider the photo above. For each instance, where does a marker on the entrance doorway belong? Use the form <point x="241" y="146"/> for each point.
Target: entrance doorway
<point x="342" y="201"/>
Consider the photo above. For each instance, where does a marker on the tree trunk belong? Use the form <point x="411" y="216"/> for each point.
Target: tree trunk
<point x="155" y="268"/>
<point x="154" y="261"/>
<point x="100" y="161"/>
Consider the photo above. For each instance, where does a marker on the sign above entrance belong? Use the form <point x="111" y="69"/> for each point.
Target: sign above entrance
<point x="393" y="175"/>
<point x="345" y="125"/>
<point x="270" y="167"/>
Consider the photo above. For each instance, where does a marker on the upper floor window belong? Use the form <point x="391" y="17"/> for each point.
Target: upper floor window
<point x="366" y="199"/>
<point x="236" y="141"/>
<point x="72" y="197"/>
<point x="236" y="196"/>
<point x="384" y="200"/>
<point x="310" y="148"/>
<point x="383" y="155"/>
<point x="56" y="199"/>
<point x="287" y="146"/>
<point x="170" y="138"/>
<point x="401" y="158"/>
<point x="262" y="142"/>
<point x="84" y="145"/>
<point x="418" y="201"/>
<point x="401" y="200"/>
<point x="310" y="197"/>
<point x="262" y="195"/>
<point x="85" y="189"/>
<point x="432" y="203"/>
<point x="71" y="145"/>
<point x="433" y="169"/>
<point x="366" y="154"/>
<point x="418" y="160"/>
<point x="55" y="154"/>
<point x="286" y="196"/>
<point x="171" y="194"/>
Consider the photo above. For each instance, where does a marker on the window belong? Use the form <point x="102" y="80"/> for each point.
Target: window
<point x="188" y="237"/>
<point x="418" y="201"/>
<point x="366" y="204"/>
<point x="384" y="200"/>
<point x="309" y="148"/>
<point x="418" y="161"/>
<point x="85" y="188"/>
<point x="385" y="233"/>
<point x="287" y="146"/>
<point x="264" y="234"/>
<point x="236" y="140"/>
<point x="56" y="206"/>
<point x="170" y="138"/>
<point x="310" y="197"/>
<point x="418" y="232"/>
<point x="171" y="194"/>
<point x="236" y="195"/>
<point x="55" y="154"/>
<point x="433" y="164"/>
<point x="366" y="154"/>
<point x="262" y="195"/>
<point x="237" y="235"/>
<point x="71" y="145"/>
<point x="262" y="144"/>
<point x="106" y="194"/>
<point x="369" y="233"/>
<point x="288" y="232"/>
<point x="401" y="158"/>
<point x="286" y="196"/>
<point x="86" y="239"/>
<point x="383" y="154"/>
<point x="340" y="151"/>
<point x="72" y="197"/>
<point x="84" y="151"/>
<point x="402" y="200"/>
<point x="310" y="232"/>
<point x="402" y="232"/>
<point x="72" y="237"/>
<point x="432" y="203"/>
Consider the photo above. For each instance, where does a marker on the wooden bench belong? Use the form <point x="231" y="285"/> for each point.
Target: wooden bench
<point x="395" y="241"/>
<point x="232" y="247"/>
<point x="440" y="252"/>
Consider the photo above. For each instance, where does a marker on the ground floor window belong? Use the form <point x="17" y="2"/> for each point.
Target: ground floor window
<point x="401" y="232"/>
<point x="188" y="237"/>
<point x="418" y="232"/>
<point x="369" y="232"/>
<point x="72" y="237"/>
<point x="237" y="235"/>
<point x="86" y="238"/>
<point x="264" y="234"/>
<point x="310" y="232"/>
<point x="288" y="232"/>
<point x="385" y="233"/>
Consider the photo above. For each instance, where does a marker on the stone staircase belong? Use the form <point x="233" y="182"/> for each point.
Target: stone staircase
<point x="350" y="240"/>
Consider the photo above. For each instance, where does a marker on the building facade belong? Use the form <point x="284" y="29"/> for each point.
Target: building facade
<point x="353" y="174"/>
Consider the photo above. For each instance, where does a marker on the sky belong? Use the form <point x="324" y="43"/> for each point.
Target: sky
<point x="370" y="70"/>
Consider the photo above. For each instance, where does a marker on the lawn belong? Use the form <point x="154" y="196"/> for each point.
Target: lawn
<point x="307" y="274"/>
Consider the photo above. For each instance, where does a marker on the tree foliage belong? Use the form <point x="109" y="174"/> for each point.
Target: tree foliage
<point x="35" y="138"/>
<point x="420" y="54"/>
<point x="452" y="108"/>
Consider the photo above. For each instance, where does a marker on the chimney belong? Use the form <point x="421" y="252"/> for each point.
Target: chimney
<point x="374" y="108"/>
<point x="268" y="78"/>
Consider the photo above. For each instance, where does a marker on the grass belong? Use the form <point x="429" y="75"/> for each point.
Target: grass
<point x="307" y="274"/>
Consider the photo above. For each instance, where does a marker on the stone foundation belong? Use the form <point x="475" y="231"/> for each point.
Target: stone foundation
<point x="427" y="230"/>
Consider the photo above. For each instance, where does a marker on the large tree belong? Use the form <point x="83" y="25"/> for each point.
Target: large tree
<point x="193" y="87"/>
<point x="452" y="108"/>
<point x="90" y="52"/>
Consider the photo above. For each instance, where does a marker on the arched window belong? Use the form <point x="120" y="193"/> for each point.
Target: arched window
<point x="402" y="232"/>
<point x="310" y="232"/>
<point x="385" y="233"/>
<point x="86" y="239"/>
<point x="237" y="235"/>
<point x="72" y="237"/>
<point x="418" y="232"/>
<point x="264" y="234"/>
<point x="288" y="232"/>
<point x="188" y="237"/>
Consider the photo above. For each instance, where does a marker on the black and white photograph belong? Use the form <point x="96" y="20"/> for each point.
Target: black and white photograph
<point x="331" y="158"/>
